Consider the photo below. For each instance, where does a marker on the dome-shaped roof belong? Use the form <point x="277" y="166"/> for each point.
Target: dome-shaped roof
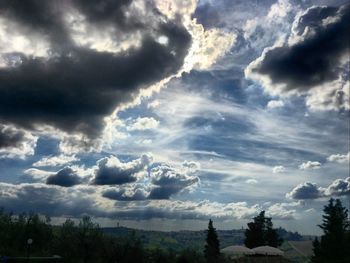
<point x="237" y="250"/>
<point x="267" y="250"/>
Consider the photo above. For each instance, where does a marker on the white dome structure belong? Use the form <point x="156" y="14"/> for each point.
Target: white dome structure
<point x="267" y="250"/>
<point x="237" y="251"/>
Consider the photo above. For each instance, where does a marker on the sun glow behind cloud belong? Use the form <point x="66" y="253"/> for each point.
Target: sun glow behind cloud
<point x="89" y="93"/>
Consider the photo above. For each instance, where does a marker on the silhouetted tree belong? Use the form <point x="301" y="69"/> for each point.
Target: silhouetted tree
<point x="334" y="243"/>
<point x="212" y="247"/>
<point x="260" y="232"/>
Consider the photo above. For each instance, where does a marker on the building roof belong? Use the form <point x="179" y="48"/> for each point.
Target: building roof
<point x="267" y="250"/>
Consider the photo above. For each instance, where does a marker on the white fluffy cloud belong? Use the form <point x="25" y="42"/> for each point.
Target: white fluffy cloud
<point x="310" y="165"/>
<point x="338" y="187"/>
<point x="141" y="124"/>
<point x="278" y="169"/>
<point x="55" y="160"/>
<point x="339" y="158"/>
<point x="307" y="190"/>
<point x="282" y="210"/>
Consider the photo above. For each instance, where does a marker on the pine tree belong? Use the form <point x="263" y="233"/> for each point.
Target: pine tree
<point x="212" y="248"/>
<point x="260" y="232"/>
<point x="334" y="242"/>
<point x="317" y="251"/>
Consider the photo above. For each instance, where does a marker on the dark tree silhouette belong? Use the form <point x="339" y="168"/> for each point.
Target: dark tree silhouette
<point x="212" y="247"/>
<point x="334" y="244"/>
<point x="260" y="232"/>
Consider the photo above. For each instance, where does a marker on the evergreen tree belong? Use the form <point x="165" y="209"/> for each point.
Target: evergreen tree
<point x="317" y="251"/>
<point x="334" y="243"/>
<point x="260" y="232"/>
<point x="212" y="248"/>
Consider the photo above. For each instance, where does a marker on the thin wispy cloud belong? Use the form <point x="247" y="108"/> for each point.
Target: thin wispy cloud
<point x="168" y="109"/>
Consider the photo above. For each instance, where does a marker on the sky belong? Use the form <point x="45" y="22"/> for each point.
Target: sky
<point x="161" y="114"/>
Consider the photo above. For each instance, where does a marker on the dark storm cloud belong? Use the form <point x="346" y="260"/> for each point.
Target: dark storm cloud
<point x="315" y="59"/>
<point x="167" y="182"/>
<point x="108" y="11"/>
<point x="37" y="16"/>
<point x="313" y="17"/>
<point x="76" y="87"/>
<point x="133" y="193"/>
<point x="66" y="177"/>
<point x="10" y="137"/>
<point x="49" y="200"/>
<point x="111" y="171"/>
<point x="81" y="200"/>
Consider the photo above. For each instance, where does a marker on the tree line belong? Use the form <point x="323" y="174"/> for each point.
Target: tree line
<point x="84" y="241"/>
<point x="332" y="247"/>
<point x="81" y="242"/>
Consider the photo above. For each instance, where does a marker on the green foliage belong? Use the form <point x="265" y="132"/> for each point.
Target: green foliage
<point x="212" y="247"/>
<point x="260" y="232"/>
<point x="81" y="242"/>
<point x="16" y="230"/>
<point x="335" y="243"/>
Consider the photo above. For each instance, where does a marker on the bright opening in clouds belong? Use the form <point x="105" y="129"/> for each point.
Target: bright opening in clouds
<point x="174" y="109"/>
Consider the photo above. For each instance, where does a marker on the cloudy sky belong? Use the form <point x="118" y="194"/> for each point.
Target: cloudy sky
<point x="161" y="114"/>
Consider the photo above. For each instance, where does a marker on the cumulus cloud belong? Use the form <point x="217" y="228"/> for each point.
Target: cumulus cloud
<point x="62" y="89"/>
<point x="66" y="177"/>
<point x="310" y="165"/>
<point x="296" y="66"/>
<point x="278" y="169"/>
<point x="70" y="66"/>
<point x="141" y="124"/>
<point x="307" y="190"/>
<point x="80" y="200"/>
<point x="16" y="143"/>
<point x="134" y="192"/>
<point x="55" y="160"/>
<point x="110" y="170"/>
<point x="339" y="187"/>
<point x="50" y="199"/>
<point x="168" y="181"/>
<point x="339" y="158"/>
<point x="164" y="181"/>
<point x="127" y="181"/>
<point x="282" y="210"/>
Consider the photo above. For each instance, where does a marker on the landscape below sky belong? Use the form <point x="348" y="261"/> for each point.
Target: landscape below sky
<point x="161" y="114"/>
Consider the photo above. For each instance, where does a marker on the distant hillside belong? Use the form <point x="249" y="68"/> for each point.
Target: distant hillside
<point x="180" y="240"/>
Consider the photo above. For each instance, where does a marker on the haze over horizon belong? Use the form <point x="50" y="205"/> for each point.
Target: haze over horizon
<point x="161" y="114"/>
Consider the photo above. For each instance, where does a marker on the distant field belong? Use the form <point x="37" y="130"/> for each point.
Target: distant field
<point x="298" y="251"/>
